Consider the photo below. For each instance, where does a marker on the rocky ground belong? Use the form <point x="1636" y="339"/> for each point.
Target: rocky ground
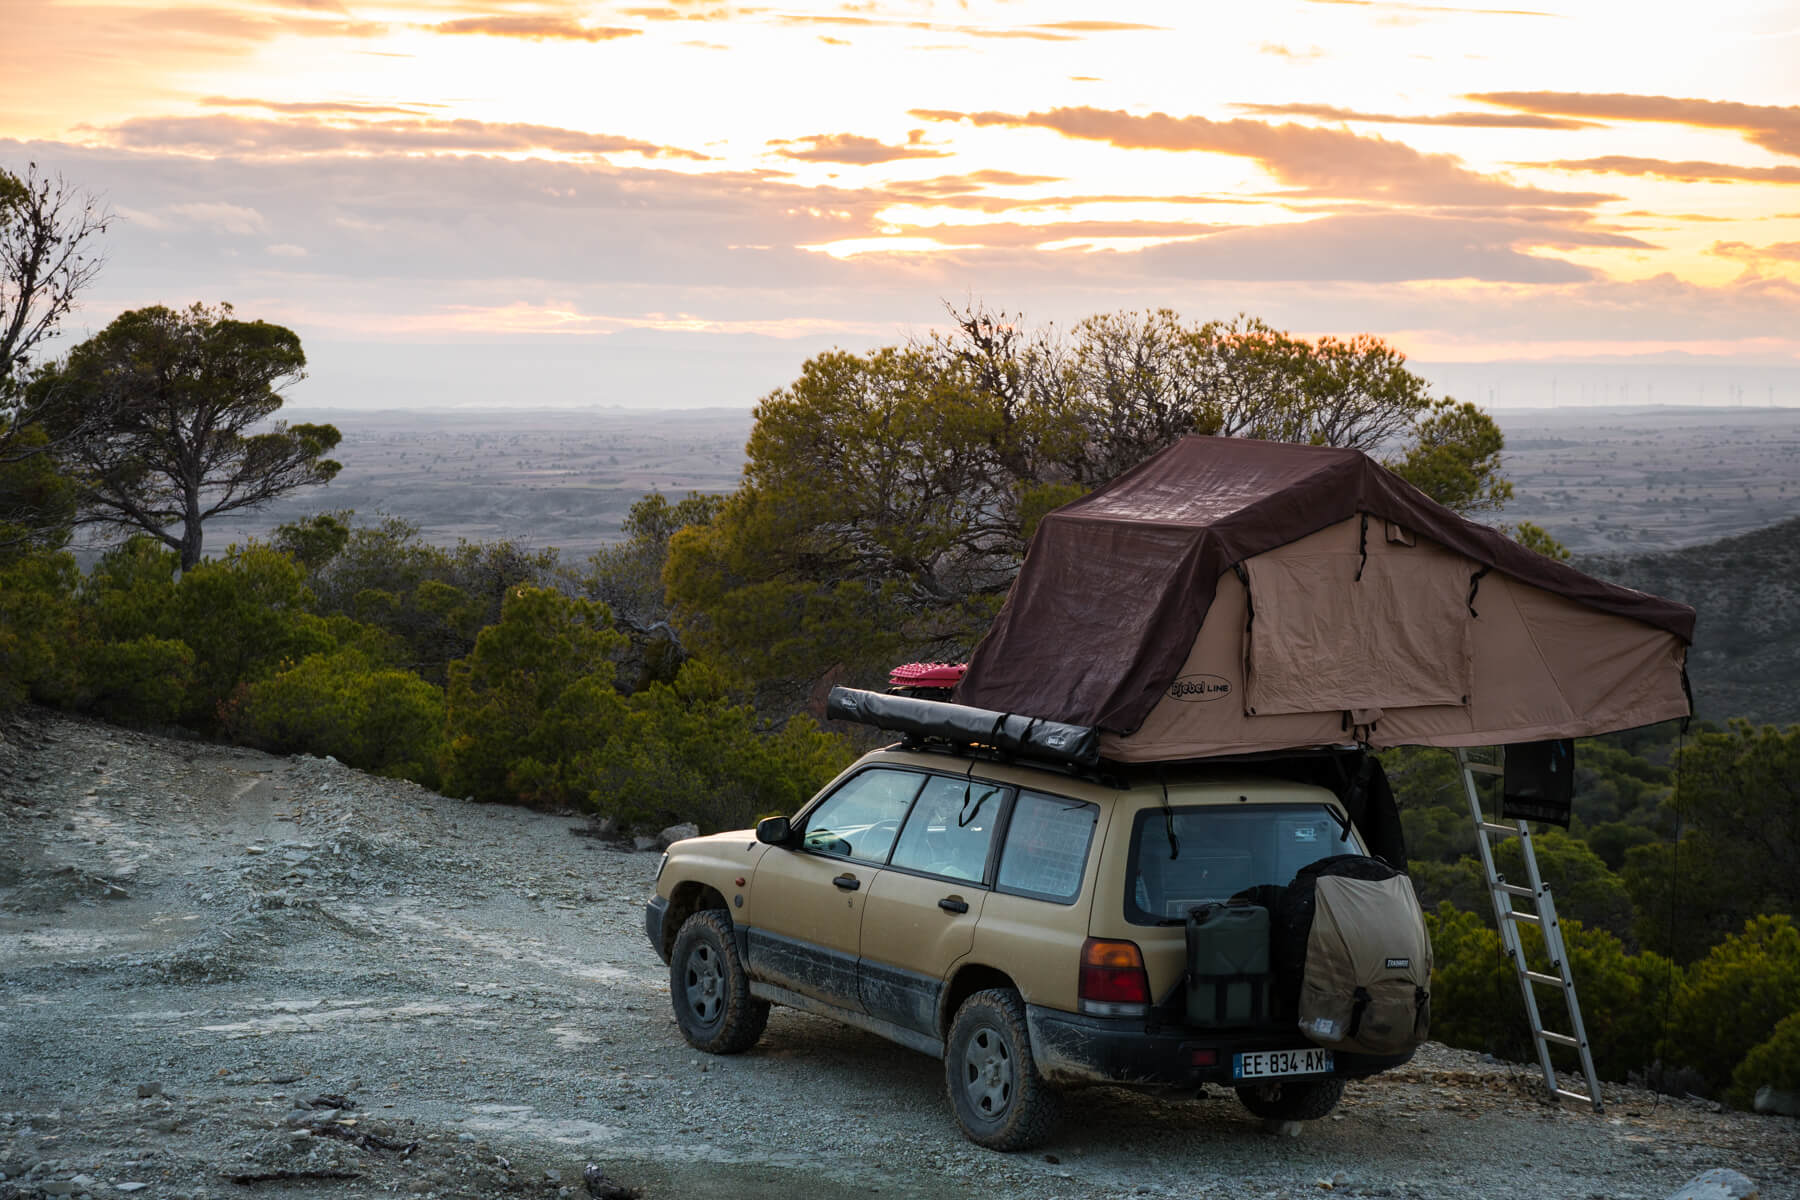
<point x="228" y="974"/>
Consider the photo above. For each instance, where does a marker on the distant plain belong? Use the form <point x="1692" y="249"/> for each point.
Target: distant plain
<point x="1602" y="480"/>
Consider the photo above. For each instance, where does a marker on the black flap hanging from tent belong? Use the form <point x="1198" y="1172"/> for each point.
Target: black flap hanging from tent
<point x="1539" y="782"/>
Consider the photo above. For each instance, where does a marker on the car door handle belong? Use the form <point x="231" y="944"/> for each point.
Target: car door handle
<point x="954" y="904"/>
<point x="848" y="882"/>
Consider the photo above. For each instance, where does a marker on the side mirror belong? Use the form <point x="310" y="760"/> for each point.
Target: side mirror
<point x="774" y="831"/>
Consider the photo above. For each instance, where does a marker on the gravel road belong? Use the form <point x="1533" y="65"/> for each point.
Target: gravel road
<point x="215" y="963"/>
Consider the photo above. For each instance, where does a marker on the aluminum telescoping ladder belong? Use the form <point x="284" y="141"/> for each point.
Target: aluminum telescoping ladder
<point x="1543" y="915"/>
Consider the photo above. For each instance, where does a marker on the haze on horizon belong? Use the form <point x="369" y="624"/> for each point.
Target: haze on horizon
<point x="669" y="203"/>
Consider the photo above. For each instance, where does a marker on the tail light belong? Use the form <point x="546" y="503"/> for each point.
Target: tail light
<point x="1113" y="981"/>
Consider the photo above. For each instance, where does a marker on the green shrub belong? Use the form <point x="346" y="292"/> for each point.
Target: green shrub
<point x="245" y="615"/>
<point x="345" y="705"/>
<point x="1476" y="1003"/>
<point x="144" y="680"/>
<point x="36" y="628"/>
<point x="1582" y="886"/>
<point x="130" y="593"/>
<point x="1730" y="1001"/>
<point x="685" y="752"/>
<point x="1774" y="1063"/>
<point x="504" y="739"/>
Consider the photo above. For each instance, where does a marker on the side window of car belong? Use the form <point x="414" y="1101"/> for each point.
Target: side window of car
<point x="1046" y="847"/>
<point x="860" y="819"/>
<point x="951" y="828"/>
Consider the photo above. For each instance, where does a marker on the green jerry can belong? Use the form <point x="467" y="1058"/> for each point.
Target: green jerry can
<point x="1229" y="982"/>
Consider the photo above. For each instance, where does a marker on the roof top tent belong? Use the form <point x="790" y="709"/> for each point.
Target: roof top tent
<point x="1230" y="596"/>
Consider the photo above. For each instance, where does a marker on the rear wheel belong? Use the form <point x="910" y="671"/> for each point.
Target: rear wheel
<point x="1292" y="1099"/>
<point x="995" y="1090"/>
<point x="710" y="991"/>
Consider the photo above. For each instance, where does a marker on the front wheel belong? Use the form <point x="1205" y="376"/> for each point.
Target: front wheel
<point x="995" y="1090"/>
<point x="710" y="991"/>
<point x="1293" y="1099"/>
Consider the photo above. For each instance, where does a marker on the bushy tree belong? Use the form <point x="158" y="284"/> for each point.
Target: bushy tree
<point x="140" y="680"/>
<point x="887" y="497"/>
<point x="433" y="600"/>
<point x="1741" y="788"/>
<point x="1774" y="1063"/>
<point x="37" y="501"/>
<point x="1729" y="1002"/>
<point x="346" y="705"/>
<point x="187" y="398"/>
<point x="246" y="615"/>
<point x="684" y="751"/>
<point x="628" y="579"/>
<point x="499" y="740"/>
<point x="47" y="257"/>
<point x="36" y="627"/>
<point x="1476" y="1003"/>
<point x="1583" y="888"/>
<point x="534" y="717"/>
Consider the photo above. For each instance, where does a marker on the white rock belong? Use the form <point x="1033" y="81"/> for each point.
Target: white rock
<point x="1771" y="1099"/>
<point x="1720" y="1183"/>
<point x="676" y="833"/>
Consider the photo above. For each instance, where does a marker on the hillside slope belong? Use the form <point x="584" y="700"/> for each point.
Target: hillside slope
<point x="217" y="966"/>
<point x="1746" y="656"/>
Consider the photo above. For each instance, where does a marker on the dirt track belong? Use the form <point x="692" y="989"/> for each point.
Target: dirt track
<point x="239" y="934"/>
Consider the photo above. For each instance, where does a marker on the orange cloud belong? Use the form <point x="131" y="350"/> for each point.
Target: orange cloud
<point x="1473" y="120"/>
<point x="536" y="29"/>
<point x="307" y="136"/>
<point x="1780" y="251"/>
<point x="1687" y="172"/>
<point x="1321" y="162"/>
<point x="1769" y="126"/>
<point x="221" y="24"/>
<point x="973" y="182"/>
<point x="850" y="148"/>
<point x="347" y="107"/>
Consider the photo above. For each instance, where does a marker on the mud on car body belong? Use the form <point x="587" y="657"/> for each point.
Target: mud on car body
<point x="1025" y="924"/>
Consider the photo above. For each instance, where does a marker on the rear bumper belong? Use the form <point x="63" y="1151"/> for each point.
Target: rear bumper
<point x="654" y="914"/>
<point x="1072" y="1049"/>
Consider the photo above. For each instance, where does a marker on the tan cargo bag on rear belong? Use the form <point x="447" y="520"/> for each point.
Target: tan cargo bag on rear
<point x="1367" y="979"/>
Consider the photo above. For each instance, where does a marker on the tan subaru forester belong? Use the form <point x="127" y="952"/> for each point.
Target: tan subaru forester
<point x="1028" y="925"/>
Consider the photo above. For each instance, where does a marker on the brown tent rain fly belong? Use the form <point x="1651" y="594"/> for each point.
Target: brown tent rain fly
<point x="1230" y="596"/>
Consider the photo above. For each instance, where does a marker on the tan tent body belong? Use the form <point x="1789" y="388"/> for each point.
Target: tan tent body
<point x="1230" y="596"/>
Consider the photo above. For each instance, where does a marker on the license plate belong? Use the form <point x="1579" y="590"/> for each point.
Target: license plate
<point x="1268" y="1064"/>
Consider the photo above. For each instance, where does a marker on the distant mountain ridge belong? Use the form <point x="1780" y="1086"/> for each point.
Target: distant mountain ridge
<point x="1745" y="661"/>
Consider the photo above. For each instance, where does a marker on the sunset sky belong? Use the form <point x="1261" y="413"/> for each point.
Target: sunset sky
<point x="675" y="203"/>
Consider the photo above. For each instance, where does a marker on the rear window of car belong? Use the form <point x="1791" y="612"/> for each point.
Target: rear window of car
<point x="1046" y="848"/>
<point x="1215" y="853"/>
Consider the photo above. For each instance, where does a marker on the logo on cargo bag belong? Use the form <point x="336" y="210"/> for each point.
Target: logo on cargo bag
<point x="1199" y="689"/>
<point x="1398" y="964"/>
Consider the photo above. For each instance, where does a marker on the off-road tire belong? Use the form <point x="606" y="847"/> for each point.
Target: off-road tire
<point x="1292" y="1099"/>
<point x="710" y="991"/>
<point x="994" y="1087"/>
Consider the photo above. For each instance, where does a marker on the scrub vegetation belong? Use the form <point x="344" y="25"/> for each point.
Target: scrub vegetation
<point x="887" y="501"/>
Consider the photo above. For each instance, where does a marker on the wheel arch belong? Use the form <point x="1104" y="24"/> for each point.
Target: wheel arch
<point x="968" y="979"/>
<point x="685" y="900"/>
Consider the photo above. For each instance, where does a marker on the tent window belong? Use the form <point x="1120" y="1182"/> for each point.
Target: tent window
<point x="1400" y="638"/>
